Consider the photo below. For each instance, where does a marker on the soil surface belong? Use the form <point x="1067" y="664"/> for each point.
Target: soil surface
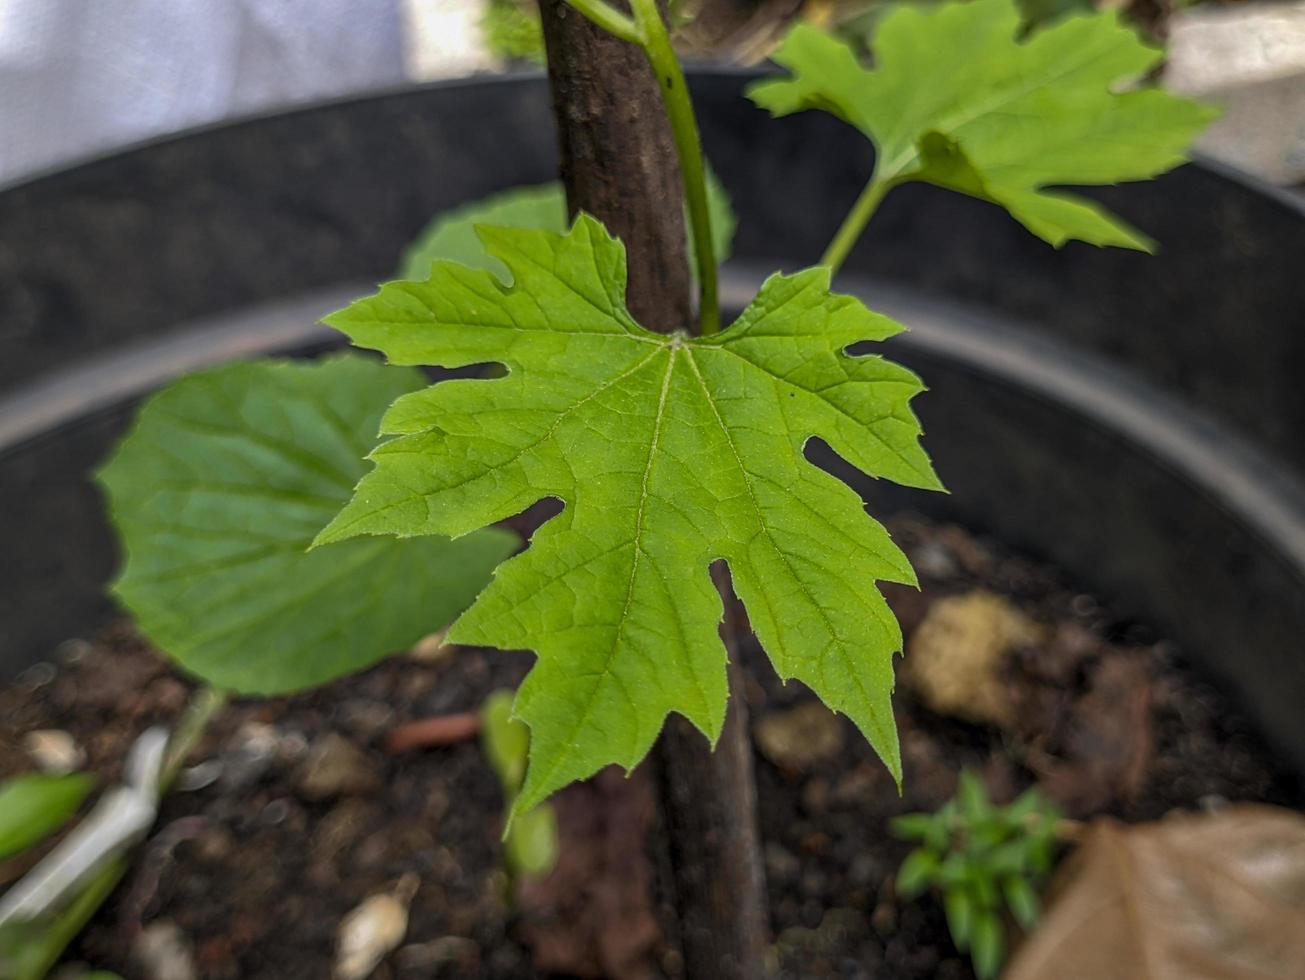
<point x="296" y="810"/>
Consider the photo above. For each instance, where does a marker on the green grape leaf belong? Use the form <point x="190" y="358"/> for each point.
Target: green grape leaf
<point x="35" y="805"/>
<point x="669" y="452"/>
<point x="217" y="493"/>
<point x="956" y="98"/>
<point x="452" y="235"/>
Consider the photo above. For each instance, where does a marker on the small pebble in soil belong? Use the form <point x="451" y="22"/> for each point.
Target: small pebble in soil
<point x="336" y="767"/>
<point x="372" y="930"/>
<point x="447" y="950"/>
<point x="800" y="737"/>
<point x="54" y="751"/>
<point x="162" y="952"/>
<point x="250" y="755"/>
<point x="955" y="656"/>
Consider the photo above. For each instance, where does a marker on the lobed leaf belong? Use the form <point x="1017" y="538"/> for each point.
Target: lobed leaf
<point x="959" y="98"/>
<point x="217" y="493"/>
<point x="670" y="452"/>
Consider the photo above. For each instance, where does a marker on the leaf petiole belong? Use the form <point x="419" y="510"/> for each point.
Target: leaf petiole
<point x="854" y="224"/>
<point x="688" y="147"/>
<point x="609" y="19"/>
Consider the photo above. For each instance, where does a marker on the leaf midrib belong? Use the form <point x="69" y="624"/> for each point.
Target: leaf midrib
<point x="658" y="420"/>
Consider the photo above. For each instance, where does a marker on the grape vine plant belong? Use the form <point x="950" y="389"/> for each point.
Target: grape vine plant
<point x="275" y="541"/>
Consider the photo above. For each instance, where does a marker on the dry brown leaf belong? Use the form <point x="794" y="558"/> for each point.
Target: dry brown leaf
<point x="1201" y="897"/>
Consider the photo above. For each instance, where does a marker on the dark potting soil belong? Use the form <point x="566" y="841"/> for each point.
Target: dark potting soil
<point x="297" y="810"/>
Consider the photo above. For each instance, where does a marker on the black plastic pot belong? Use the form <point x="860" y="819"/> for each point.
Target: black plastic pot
<point x="1133" y="419"/>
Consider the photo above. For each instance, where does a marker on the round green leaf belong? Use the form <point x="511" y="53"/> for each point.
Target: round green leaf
<point x="219" y="490"/>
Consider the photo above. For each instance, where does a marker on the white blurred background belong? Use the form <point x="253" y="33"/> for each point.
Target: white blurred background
<point x="80" y="77"/>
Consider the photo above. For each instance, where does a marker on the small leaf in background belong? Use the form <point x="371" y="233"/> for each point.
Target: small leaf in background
<point x="987" y="945"/>
<point x="218" y="491"/>
<point x="668" y="452"/>
<point x="35" y="805"/>
<point x="531" y="841"/>
<point x="1021" y="900"/>
<point x="532" y="845"/>
<point x="972" y="797"/>
<point x="506" y="740"/>
<point x="512" y="31"/>
<point x="1216" y="896"/>
<point x="958" y="905"/>
<point x="980" y="856"/>
<point x="452" y="235"/>
<point x="916" y="873"/>
<point x="956" y="98"/>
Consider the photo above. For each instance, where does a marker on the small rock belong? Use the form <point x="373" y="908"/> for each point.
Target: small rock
<point x="372" y="930"/>
<point x="431" y="649"/>
<point x="956" y="656"/>
<point x="439" y="952"/>
<point x="365" y="718"/>
<point x="54" y="751"/>
<point x="162" y="952"/>
<point x="800" y="738"/>
<point x="199" y="776"/>
<point x="334" y="835"/>
<point x="214" y="844"/>
<point x="782" y="866"/>
<point x="931" y="559"/>
<point x="335" y="767"/>
<point x="252" y="752"/>
<point x="815" y="796"/>
<point x="859" y="786"/>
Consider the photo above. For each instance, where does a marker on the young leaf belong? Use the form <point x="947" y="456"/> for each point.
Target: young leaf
<point x="1021" y="900"/>
<point x="917" y="826"/>
<point x="959" y="910"/>
<point x="957" y="99"/>
<point x="506" y="741"/>
<point x="987" y="945"/>
<point x="916" y="872"/>
<point x="35" y="805"/>
<point x="532" y="845"/>
<point x="452" y="235"/>
<point x="218" y="491"/>
<point x="670" y="452"/>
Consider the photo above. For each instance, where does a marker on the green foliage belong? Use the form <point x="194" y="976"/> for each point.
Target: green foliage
<point x="512" y="30"/>
<point x="452" y="235"/>
<point x="35" y="805"/>
<point x="530" y="842"/>
<point x="956" y="98"/>
<point x="670" y="452"/>
<point x="217" y="493"/>
<point x="982" y="858"/>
